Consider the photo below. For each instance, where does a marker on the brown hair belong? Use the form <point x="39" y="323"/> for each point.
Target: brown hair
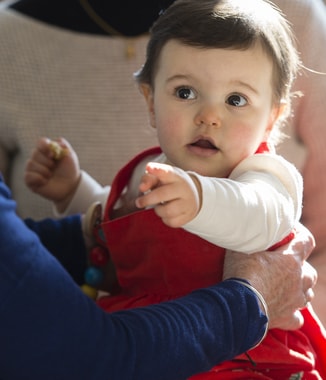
<point x="227" y="24"/>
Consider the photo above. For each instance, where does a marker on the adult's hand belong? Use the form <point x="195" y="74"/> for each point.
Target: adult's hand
<point x="282" y="276"/>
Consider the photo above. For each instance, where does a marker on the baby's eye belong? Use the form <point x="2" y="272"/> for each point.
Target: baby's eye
<point x="237" y="100"/>
<point x="185" y="93"/>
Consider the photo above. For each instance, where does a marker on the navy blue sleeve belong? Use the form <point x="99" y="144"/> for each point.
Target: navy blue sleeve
<point x="63" y="238"/>
<point x="50" y="330"/>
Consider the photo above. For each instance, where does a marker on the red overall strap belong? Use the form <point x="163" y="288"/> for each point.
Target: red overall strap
<point x="123" y="176"/>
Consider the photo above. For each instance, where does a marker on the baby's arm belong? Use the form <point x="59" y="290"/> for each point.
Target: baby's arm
<point x="53" y="171"/>
<point x="254" y="209"/>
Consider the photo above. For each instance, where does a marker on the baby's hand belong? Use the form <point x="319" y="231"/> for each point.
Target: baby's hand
<point x="174" y="194"/>
<point x="53" y="171"/>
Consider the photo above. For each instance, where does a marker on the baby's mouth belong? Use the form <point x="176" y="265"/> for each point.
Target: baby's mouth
<point x="203" y="147"/>
<point x="204" y="144"/>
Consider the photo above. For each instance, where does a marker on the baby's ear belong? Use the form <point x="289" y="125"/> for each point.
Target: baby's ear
<point x="277" y="113"/>
<point x="282" y="110"/>
<point x="148" y="94"/>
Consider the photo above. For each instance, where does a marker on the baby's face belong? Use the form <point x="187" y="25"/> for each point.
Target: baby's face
<point x="211" y="107"/>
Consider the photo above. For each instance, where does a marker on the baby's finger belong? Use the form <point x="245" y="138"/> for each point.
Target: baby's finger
<point x="38" y="168"/>
<point x="34" y="180"/>
<point x="164" y="173"/>
<point x="170" y="214"/>
<point x="39" y="158"/>
<point x="159" y="195"/>
<point x="42" y="145"/>
<point x="148" y="182"/>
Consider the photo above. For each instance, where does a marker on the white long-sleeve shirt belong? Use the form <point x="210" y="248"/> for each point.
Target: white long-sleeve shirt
<point x="256" y="207"/>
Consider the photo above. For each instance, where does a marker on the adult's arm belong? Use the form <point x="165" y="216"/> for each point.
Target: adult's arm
<point x="64" y="239"/>
<point x="50" y="330"/>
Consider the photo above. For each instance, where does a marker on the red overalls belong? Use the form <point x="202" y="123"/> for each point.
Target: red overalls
<point x="155" y="263"/>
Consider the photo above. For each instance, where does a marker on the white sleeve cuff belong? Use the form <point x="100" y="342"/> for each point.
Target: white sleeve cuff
<point x="88" y="191"/>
